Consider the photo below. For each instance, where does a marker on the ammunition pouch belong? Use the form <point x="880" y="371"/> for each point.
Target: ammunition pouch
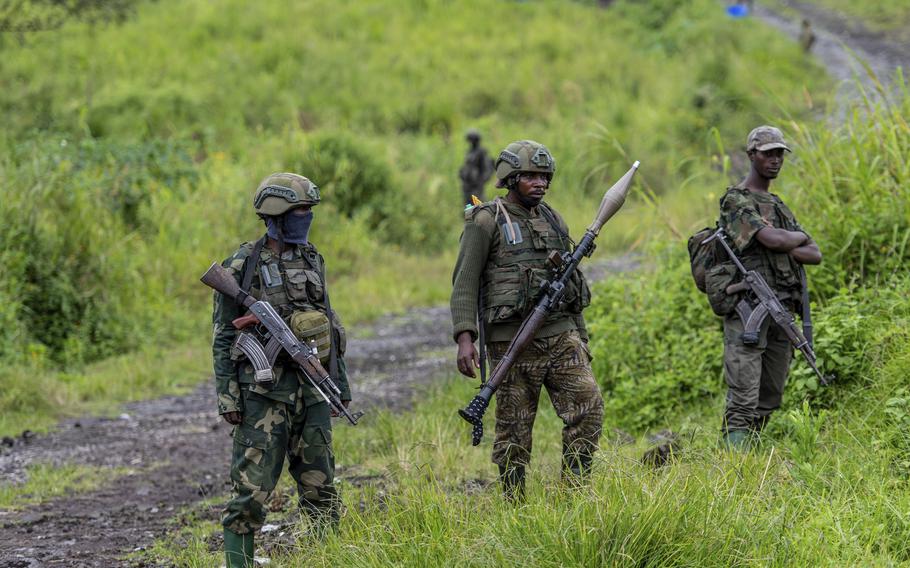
<point x="717" y="279"/>
<point x="312" y="328"/>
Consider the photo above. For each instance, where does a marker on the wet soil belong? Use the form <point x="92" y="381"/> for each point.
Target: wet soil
<point x="843" y="45"/>
<point x="167" y="455"/>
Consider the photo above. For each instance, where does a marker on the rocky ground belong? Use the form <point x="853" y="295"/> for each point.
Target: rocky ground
<point x="171" y="453"/>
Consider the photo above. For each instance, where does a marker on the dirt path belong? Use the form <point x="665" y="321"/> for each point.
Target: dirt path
<point x="836" y="37"/>
<point x="175" y="450"/>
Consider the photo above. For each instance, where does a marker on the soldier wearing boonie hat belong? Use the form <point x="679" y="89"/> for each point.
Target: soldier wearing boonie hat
<point x="764" y="138"/>
<point x="767" y="237"/>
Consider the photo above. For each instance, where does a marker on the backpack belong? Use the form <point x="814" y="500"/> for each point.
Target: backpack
<point x="702" y="257"/>
<point x="712" y="271"/>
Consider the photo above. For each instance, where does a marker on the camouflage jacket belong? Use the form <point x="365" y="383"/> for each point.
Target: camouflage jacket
<point x="742" y="214"/>
<point x="302" y="288"/>
<point x="511" y="274"/>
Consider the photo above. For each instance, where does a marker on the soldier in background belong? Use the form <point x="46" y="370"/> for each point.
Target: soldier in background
<point x="284" y="418"/>
<point x="768" y="239"/>
<point x="503" y="256"/>
<point x="477" y="168"/>
<point x="806" y="36"/>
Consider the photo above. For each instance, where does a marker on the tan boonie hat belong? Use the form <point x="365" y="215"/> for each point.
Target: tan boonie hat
<point x="765" y="138"/>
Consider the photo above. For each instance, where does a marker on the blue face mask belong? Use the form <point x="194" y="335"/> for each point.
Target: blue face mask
<point x="296" y="227"/>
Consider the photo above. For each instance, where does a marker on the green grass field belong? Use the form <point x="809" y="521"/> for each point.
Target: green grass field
<point x="121" y="183"/>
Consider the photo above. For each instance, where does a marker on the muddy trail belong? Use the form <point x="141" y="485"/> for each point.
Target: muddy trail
<point x="167" y="455"/>
<point x="843" y="45"/>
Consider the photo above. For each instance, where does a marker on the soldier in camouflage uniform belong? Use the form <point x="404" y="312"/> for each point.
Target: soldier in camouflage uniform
<point x="767" y="237"/>
<point x="503" y="258"/>
<point x="285" y="417"/>
<point x="477" y="168"/>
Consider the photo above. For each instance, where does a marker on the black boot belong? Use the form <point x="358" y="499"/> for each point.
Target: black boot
<point x="575" y="466"/>
<point x="513" y="482"/>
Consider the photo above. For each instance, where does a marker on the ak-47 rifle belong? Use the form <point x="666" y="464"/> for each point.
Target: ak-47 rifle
<point x="763" y="303"/>
<point x="218" y="278"/>
<point x="563" y="266"/>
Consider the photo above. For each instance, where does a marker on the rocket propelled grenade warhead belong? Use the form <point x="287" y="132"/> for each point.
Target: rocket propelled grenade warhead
<point x="613" y="199"/>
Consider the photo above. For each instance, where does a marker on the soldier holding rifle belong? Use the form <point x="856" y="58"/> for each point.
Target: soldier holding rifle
<point x="276" y="408"/>
<point x="767" y="239"/>
<point x="503" y="260"/>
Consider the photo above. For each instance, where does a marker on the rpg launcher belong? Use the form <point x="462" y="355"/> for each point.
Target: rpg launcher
<point x="563" y="266"/>
<point x="219" y="279"/>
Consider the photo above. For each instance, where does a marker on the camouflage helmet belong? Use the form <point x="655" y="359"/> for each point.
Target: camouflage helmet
<point x="279" y="193"/>
<point x="524" y="156"/>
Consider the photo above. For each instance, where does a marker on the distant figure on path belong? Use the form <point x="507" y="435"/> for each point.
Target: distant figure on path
<point x="477" y="168"/>
<point x="806" y="36"/>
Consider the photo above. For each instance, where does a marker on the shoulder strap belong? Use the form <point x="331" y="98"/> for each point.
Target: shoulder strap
<point x="250" y="266"/>
<point x="333" y="345"/>
<point x="548" y="214"/>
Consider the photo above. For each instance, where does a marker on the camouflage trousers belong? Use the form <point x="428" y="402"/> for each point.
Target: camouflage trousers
<point x="270" y="431"/>
<point x="755" y="375"/>
<point x="561" y="364"/>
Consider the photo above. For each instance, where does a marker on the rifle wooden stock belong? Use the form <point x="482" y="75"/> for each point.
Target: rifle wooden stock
<point x="218" y="278"/>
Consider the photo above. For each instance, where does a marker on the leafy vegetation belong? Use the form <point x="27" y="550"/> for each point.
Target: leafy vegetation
<point x="121" y="184"/>
<point x="656" y="345"/>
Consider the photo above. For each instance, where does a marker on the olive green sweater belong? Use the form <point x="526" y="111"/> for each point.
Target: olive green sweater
<point x="478" y="241"/>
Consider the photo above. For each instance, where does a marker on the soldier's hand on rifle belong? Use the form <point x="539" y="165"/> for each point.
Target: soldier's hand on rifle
<point x="233" y="418"/>
<point x="468" y="359"/>
<point x="335" y="413"/>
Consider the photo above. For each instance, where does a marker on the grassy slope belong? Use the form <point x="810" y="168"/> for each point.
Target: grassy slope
<point x="890" y="15"/>
<point x="828" y="487"/>
<point x="152" y="165"/>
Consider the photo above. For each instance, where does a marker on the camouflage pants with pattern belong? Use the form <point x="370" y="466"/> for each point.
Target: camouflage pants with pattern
<point x="270" y="431"/>
<point x="755" y="375"/>
<point x="561" y="364"/>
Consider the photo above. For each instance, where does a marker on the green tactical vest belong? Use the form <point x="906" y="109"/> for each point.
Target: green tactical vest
<point x="779" y="269"/>
<point x="515" y="271"/>
<point x="295" y="288"/>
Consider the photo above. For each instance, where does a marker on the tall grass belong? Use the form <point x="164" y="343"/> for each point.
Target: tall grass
<point x="657" y="346"/>
<point x="121" y="182"/>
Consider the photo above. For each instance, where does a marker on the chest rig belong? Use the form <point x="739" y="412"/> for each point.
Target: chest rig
<point x="781" y="271"/>
<point x="294" y="284"/>
<point x="518" y="265"/>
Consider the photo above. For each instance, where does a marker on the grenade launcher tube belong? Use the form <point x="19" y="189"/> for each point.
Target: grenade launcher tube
<point x="553" y="292"/>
